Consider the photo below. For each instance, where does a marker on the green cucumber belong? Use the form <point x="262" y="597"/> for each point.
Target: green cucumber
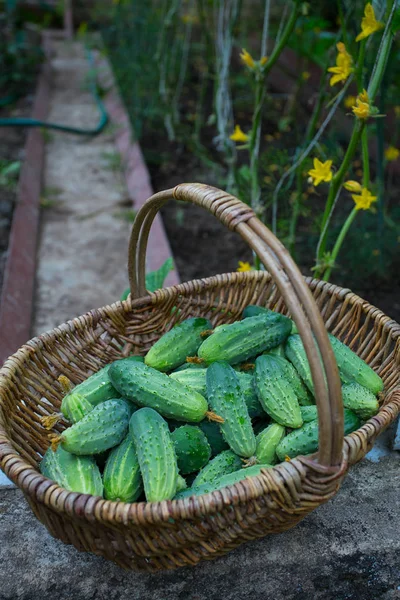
<point x="74" y="473"/>
<point x="194" y="379"/>
<point x="148" y="387"/>
<point x="191" y="448"/>
<point x="309" y="413"/>
<point x="267" y="443"/>
<point x="249" y="393"/>
<point x="222" y="464"/>
<point x="275" y="391"/>
<point x="122" y="479"/>
<point x="353" y="368"/>
<point x="296" y="354"/>
<point x="155" y="453"/>
<point x="278" y="351"/>
<point x="104" y="427"/>
<point x="214" y="436"/>
<point x="360" y="400"/>
<point x="75" y="406"/>
<point x="240" y="341"/>
<point x="252" y="310"/>
<point x="172" y="349"/>
<point x="305" y="440"/>
<point x="187" y="366"/>
<point x="180" y="483"/>
<point x="222" y="482"/>
<point x="225" y="396"/>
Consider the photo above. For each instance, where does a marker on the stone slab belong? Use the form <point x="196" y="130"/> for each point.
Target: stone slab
<point x="347" y="549"/>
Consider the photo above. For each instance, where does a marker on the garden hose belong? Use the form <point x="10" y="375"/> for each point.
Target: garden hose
<point x="22" y="122"/>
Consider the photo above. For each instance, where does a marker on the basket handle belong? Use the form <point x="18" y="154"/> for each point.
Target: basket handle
<point x="237" y="216"/>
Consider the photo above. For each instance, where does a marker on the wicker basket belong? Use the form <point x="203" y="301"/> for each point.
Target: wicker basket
<point x="170" y="534"/>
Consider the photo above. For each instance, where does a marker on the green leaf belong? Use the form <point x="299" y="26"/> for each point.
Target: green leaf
<point x="154" y="279"/>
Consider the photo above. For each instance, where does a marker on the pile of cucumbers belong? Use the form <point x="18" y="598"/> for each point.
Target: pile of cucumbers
<point x="205" y="408"/>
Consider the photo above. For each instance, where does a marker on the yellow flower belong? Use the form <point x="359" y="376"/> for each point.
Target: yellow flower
<point x="238" y="135"/>
<point x="263" y="60"/>
<point x="369" y="24"/>
<point x="343" y="66"/>
<point x="247" y="59"/>
<point x="244" y="266"/>
<point x="349" y="101"/>
<point x="352" y="186"/>
<point x="321" y="171"/>
<point x="362" y="108"/>
<point x="190" y="19"/>
<point x="392" y="153"/>
<point x="364" y="200"/>
<point x="397" y="111"/>
<point x="305" y="75"/>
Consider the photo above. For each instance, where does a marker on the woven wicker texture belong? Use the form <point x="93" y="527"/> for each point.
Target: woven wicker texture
<point x="169" y="534"/>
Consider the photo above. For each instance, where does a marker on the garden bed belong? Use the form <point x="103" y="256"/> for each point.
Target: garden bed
<point x="12" y="143"/>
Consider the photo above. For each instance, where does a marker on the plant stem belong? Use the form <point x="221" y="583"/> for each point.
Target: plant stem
<point x="340" y="240"/>
<point x="360" y="66"/>
<point x="255" y="143"/>
<point x="336" y="183"/>
<point x="365" y="156"/>
<point x="295" y="212"/>
<point x="283" y="39"/>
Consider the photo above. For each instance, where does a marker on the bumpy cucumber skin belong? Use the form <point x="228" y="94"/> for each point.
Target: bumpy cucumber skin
<point x="360" y="400"/>
<point x="296" y="354"/>
<point x="150" y="388"/>
<point x="278" y="351"/>
<point x="309" y="413"/>
<point x="353" y="368"/>
<point x="104" y="427"/>
<point x="122" y="479"/>
<point x="241" y="340"/>
<point x="97" y="388"/>
<point x="156" y="454"/>
<point x="224" y="463"/>
<point x="74" y="473"/>
<point x="275" y="391"/>
<point x="214" y="436"/>
<point x="191" y="448"/>
<point x="226" y="399"/>
<point x="172" y="349"/>
<point x="305" y="440"/>
<point x="75" y="406"/>
<point x="303" y="395"/>
<point x="224" y="481"/>
<point x="248" y="388"/>
<point x="267" y="443"/>
<point x="194" y="379"/>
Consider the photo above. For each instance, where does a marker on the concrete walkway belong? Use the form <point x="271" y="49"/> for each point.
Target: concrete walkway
<point x="83" y="248"/>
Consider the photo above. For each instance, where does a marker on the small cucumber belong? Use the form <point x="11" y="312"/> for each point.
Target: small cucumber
<point x="225" y="396"/>
<point x="194" y="379"/>
<point x="121" y="477"/>
<point x="214" y="436"/>
<point x="267" y="443"/>
<point x="252" y="310"/>
<point x="172" y="349"/>
<point x="353" y="368"/>
<point x="224" y="463"/>
<point x="277" y="351"/>
<point x="75" y="406"/>
<point x="275" y="391"/>
<point x="305" y="440"/>
<point x="104" y="427"/>
<point x="191" y="448"/>
<point x="296" y="354"/>
<point x="147" y="387"/>
<point x="309" y="413"/>
<point x="224" y="481"/>
<point x="74" y="473"/>
<point x="249" y="393"/>
<point x="360" y="400"/>
<point x="156" y="454"/>
<point x="240" y="341"/>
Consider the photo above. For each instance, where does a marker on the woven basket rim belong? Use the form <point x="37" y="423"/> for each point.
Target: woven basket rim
<point x="98" y="509"/>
